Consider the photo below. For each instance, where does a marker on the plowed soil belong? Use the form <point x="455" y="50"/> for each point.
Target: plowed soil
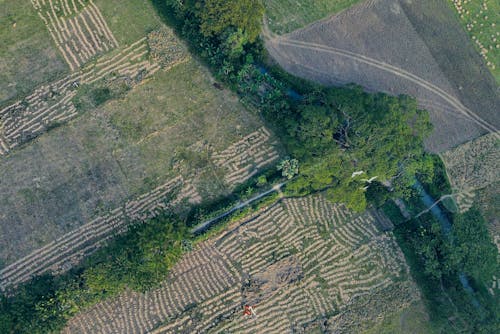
<point x="400" y="47"/>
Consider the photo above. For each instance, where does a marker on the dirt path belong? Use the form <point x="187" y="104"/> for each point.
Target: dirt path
<point x="276" y="40"/>
<point x="207" y="223"/>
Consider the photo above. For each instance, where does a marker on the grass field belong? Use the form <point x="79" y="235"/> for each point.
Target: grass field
<point x="412" y="320"/>
<point x="306" y="265"/>
<point x="129" y="20"/>
<point x="481" y="19"/>
<point x="287" y="15"/>
<point x="27" y="58"/>
<point x="138" y="123"/>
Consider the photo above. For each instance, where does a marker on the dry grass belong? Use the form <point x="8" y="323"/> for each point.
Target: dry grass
<point x="305" y="264"/>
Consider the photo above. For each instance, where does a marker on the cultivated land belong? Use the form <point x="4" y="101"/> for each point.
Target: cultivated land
<point x="473" y="165"/>
<point x="306" y="264"/>
<point x="287" y="15"/>
<point x="416" y="48"/>
<point x="474" y="176"/>
<point x="138" y="126"/>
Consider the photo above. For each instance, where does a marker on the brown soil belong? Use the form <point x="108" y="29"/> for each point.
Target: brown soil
<point x="384" y="45"/>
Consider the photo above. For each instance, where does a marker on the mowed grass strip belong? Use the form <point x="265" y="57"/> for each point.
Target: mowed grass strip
<point x="481" y="20"/>
<point x="28" y="56"/>
<point x="287" y="15"/>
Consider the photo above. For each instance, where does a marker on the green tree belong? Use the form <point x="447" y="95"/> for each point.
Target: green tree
<point x="217" y="16"/>
<point x="288" y="167"/>
<point x="472" y="247"/>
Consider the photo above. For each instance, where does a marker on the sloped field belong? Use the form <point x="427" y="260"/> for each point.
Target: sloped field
<point x="400" y="47"/>
<point x="304" y="264"/>
<point x="473" y="166"/>
<point x="84" y="155"/>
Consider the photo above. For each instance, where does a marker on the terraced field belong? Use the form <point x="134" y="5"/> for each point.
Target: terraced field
<point x="304" y="264"/>
<point x="130" y="126"/>
<point x="472" y="166"/>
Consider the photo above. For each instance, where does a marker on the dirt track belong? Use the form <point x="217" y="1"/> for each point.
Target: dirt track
<point x="377" y="46"/>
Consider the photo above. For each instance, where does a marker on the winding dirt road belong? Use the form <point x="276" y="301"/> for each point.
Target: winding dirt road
<point x="277" y="40"/>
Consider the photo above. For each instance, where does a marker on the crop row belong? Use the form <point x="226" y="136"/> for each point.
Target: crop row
<point x="79" y="33"/>
<point x="244" y="158"/>
<point x="52" y="104"/>
<point x="61" y="254"/>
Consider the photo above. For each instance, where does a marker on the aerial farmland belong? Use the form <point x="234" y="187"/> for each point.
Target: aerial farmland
<point x="249" y="166"/>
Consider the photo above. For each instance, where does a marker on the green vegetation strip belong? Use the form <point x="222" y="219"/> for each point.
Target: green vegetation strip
<point x="287" y="15"/>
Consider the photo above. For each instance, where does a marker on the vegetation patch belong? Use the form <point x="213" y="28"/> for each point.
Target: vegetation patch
<point x="481" y="19"/>
<point x="287" y="15"/>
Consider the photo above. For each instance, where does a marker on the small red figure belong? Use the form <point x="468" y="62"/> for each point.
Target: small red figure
<point x="248" y="310"/>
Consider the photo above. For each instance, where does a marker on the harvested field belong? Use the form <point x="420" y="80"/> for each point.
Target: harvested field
<point x="167" y="127"/>
<point x="52" y="104"/>
<point x="305" y="264"/>
<point x="288" y="15"/>
<point x="472" y="166"/>
<point x="27" y="58"/>
<point x="77" y="28"/>
<point x="61" y="254"/>
<point x="244" y="158"/>
<point x="481" y="19"/>
<point x="400" y="47"/>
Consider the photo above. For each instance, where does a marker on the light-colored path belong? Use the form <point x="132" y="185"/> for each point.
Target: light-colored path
<point x="276" y="40"/>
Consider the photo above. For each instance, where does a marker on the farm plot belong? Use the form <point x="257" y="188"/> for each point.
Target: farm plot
<point x="472" y="166"/>
<point x="305" y="264"/>
<point x="61" y="254"/>
<point x="288" y="15"/>
<point x="77" y="28"/>
<point x="27" y="56"/>
<point x="164" y="128"/>
<point x="481" y="19"/>
<point x="52" y="104"/>
<point x="416" y="48"/>
<point x="246" y="157"/>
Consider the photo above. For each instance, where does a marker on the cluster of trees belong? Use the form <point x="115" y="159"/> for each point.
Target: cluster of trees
<point x="139" y="259"/>
<point x="439" y="259"/>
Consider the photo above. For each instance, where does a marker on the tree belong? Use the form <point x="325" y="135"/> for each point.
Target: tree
<point x="289" y="167"/>
<point x="217" y="16"/>
<point x="472" y="247"/>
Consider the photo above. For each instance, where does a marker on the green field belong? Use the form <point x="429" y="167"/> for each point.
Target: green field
<point x="287" y="15"/>
<point x="411" y="320"/>
<point x="129" y="20"/>
<point x="27" y="55"/>
<point x="481" y="20"/>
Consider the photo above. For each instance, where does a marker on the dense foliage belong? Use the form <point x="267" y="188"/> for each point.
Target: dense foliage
<point x="439" y="259"/>
<point x="139" y="259"/>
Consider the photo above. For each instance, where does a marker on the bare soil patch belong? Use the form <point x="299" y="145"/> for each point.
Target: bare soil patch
<point x="401" y="47"/>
